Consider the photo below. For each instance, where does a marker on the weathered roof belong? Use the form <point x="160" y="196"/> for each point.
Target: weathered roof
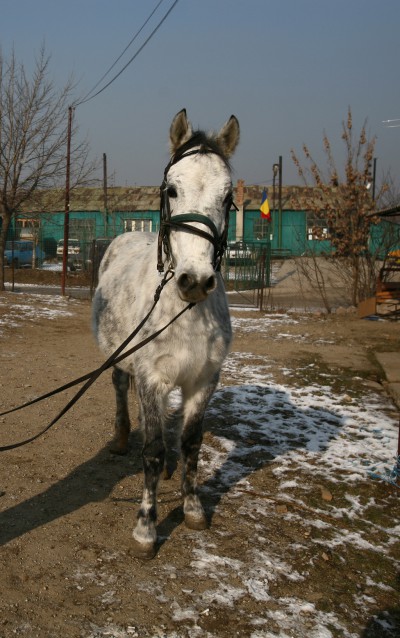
<point x="137" y="198"/>
<point x="147" y="198"/>
<point x="92" y="199"/>
<point x="392" y="212"/>
<point x="293" y="197"/>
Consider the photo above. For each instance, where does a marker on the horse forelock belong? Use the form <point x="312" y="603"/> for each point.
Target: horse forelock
<point x="206" y="143"/>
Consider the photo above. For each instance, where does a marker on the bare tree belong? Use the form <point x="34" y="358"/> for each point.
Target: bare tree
<point x="33" y="131"/>
<point x="348" y="212"/>
<point x="391" y="195"/>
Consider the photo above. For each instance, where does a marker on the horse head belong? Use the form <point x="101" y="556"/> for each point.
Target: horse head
<point x="196" y="196"/>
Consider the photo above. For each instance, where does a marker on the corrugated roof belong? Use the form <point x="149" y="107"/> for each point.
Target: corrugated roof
<point x="92" y="199"/>
<point x="143" y="198"/>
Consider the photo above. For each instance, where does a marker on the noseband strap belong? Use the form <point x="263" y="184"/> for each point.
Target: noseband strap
<point x="183" y="222"/>
<point x="178" y="222"/>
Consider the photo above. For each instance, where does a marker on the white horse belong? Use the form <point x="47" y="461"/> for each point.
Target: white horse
<point x="196" y="196"/>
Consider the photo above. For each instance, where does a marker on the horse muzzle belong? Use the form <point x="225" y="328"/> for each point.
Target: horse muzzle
<point x="194" y="288"/>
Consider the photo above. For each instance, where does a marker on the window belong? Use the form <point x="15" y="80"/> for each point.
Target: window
<point x="261" y="229"/>
<point x="85" y="229"/>
<point x="138" y="225"/>
<point x="27" y="228"/>
<point x="317" y="227"/>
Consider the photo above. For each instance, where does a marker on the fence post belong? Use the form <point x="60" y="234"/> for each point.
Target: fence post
<point x="262" y="266"/>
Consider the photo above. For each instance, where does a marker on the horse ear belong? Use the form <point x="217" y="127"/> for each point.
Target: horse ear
<point x="180" y="131"/>
<point x="228" y="137"/>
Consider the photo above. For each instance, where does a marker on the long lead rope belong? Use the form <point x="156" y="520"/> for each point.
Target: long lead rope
<point x="91" y="377"/>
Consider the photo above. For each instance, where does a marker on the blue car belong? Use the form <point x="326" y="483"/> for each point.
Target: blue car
<point x="21" y="253"/>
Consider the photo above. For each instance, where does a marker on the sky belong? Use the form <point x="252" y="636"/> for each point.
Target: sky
<point x="288" y="70"/>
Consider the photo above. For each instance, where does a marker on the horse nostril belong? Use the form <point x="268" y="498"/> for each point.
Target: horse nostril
<point x="185" y="282"/>
<point x="195" y="289"/>
<point x="210" y="283"/>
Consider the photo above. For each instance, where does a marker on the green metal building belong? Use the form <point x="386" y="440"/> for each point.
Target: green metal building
<point x="94" y="214"/>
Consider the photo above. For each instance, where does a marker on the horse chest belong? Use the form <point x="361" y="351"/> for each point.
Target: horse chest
<point x="190" y="354"/>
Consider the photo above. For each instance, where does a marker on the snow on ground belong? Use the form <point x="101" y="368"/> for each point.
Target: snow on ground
<point x="14" y="315"/>
<point x="261" y="324"/>
<point x="336" y="435"/>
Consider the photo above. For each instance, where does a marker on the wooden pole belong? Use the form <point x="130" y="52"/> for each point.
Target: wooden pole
<point x="105" y="199"/>
<point x="280" y="203"/>
<point x="66" y="214"/>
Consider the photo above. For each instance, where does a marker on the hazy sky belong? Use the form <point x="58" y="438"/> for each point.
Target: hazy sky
<point x="288" y="69"/>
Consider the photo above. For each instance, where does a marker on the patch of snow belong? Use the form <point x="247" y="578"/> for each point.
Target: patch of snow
<point x="15" y="315"/>
<point x="261" y="324"/>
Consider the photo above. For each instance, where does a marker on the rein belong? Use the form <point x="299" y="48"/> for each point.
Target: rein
<point x="91" y="377"/>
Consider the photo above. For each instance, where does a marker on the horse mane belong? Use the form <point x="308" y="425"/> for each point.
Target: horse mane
<point x="207" y="143"/>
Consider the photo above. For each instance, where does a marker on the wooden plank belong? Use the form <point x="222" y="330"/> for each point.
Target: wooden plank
<point x="387" y="294"/>
<point x="367" y="307"/>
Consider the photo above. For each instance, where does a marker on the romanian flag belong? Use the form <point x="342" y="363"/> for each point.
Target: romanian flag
<point x="264" y="208"/>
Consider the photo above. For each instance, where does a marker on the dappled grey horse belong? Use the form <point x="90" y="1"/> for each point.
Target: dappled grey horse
<point x="196" y="196"/>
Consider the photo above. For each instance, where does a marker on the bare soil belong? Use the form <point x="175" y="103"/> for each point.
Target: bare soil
<point x="68" y="505"/>
<point x="46" y="277"/>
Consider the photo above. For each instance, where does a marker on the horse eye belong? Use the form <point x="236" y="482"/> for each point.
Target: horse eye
<point x="171" y="191"/>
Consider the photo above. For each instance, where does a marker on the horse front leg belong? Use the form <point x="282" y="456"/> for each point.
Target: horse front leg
<point x="119" y="444"/>
<point x="152" y="414"/>
<point x="191" y="440"/>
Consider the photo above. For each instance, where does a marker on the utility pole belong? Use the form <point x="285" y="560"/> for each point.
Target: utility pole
<point x="277" y="170"/>
<point x="66" y="214"/>
<point x="105" y="202"/>
<point x="374" y="179"/>
<point x="280" y="203"/>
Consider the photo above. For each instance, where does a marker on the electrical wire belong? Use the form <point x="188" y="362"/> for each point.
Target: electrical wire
<point x="124" y="51"/>
<point x="87" y="99"/>
<point x="389" y="123"/>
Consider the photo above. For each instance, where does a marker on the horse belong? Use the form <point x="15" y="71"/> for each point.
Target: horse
<point x="196" y="196"/>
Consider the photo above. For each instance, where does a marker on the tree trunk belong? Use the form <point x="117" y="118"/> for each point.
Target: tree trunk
<point x="356" y="280"/>
<point x="6" y="219"/>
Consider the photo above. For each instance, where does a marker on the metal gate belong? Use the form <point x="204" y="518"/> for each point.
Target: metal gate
<point x="246" y="270"/>
<point x="99" y="247"/>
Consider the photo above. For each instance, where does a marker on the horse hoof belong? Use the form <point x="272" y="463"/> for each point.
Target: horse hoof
<point x="144" y="551"/>
<point x="196" y="522"/>
<point x="116" y="447"/>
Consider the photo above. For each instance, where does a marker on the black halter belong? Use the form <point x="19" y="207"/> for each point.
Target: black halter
<point x="182" y="222"/>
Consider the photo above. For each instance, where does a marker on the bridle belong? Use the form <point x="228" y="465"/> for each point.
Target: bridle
<point x="183" y="222"/>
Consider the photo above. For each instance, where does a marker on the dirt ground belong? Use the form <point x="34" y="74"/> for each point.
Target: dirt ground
<point x="67" y="506"/>
<point x="46" y="277"/>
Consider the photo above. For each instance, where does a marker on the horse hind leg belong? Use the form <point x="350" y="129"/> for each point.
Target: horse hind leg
<point x="119" y="444"/>
<point x="171" y="433"/>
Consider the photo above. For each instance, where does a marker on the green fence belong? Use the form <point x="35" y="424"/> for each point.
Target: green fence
<point x="246" y="269"/>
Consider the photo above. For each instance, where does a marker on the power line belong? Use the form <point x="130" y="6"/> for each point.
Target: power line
<point x="124" y="51"/>
<point x="392" y="123"/>
<point x="87" y="99"/>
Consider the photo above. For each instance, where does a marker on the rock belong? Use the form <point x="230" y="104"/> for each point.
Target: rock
<point x="325" y="493"/>
<point x="281" y="509"/>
